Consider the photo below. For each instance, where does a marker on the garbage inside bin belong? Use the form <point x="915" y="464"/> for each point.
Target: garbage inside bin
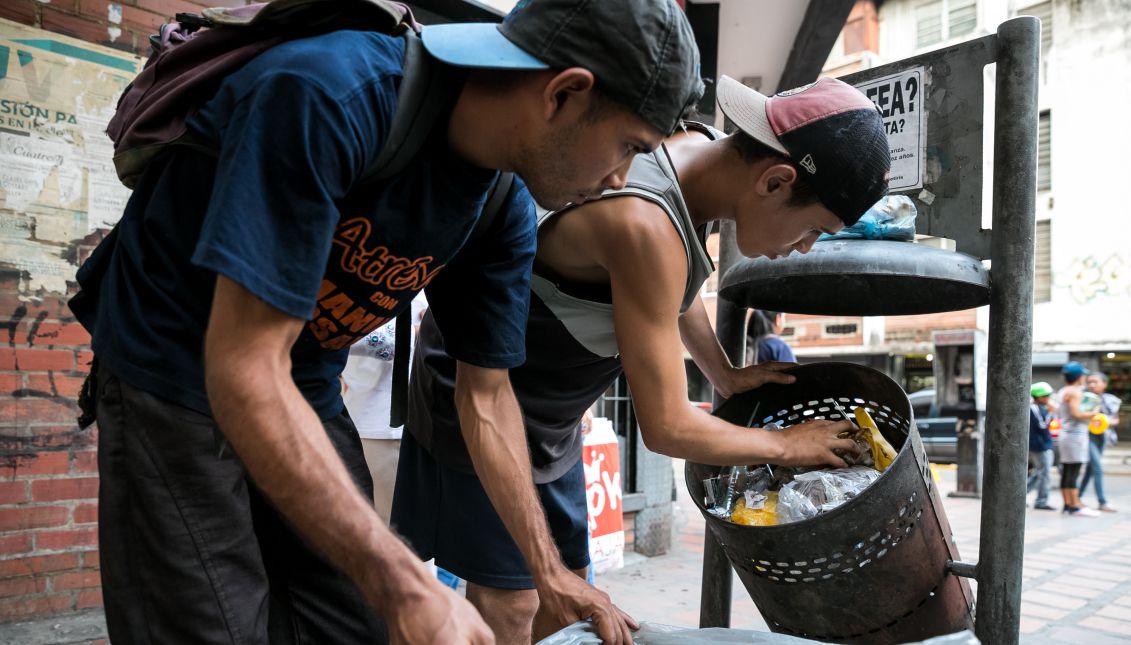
<point x="872" y="569"/>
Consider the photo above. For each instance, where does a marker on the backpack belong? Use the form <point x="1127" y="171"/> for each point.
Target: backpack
<point x="192" y="56"/>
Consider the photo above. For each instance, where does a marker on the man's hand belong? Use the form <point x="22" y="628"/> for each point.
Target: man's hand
<point x="812" y="444"/>
<point x="741" y="379"/>
<point x="436" y="614"/>
<point x="568" y="599"/>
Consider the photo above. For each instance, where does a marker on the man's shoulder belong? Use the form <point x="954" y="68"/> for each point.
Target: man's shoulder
<point x="340" y="62"/>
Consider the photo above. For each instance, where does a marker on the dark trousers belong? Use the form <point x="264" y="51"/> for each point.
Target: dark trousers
<point x="191" y="551"/>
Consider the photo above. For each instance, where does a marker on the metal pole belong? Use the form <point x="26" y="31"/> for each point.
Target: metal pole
<point x="730" y="325"/>
<point x="1011" y="336"/>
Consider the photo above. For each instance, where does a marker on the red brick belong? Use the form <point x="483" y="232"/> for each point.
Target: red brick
<point x="90" y="560"/>
<point x="76" y="580"/>
<point x="32" y="517"/>
<point x="68" y="539"/>
<point x="82" y="360"/>
<point x="43" y="463"/>
<point x="56" y="334"/>
<point x="141" y="20"/>
<point x="13" y="492"/>
<point x="33" y="607"/>
<point x="17" y="567"/>
<point x="15" y="544"/>
<point x="43" y="360"/>
<point x="87" y="600"/>
<point x="169" y="8"/>
<point x="18" y="412"/>
<point x="86" y="513"/>
<point x="85" y="462"/>
<point x="11" y="382"/>
<point x="54" y="20"/>
<point x="22" y="11"/>
<point x="56" y="383"/>
<point x="56" y="489"/>
<point x="222" y="3"/>
<point x="22" y="586"/>
<point x="63" y="437"/>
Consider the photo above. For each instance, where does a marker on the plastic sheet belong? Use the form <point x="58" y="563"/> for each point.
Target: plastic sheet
<point x="891" y="218"/>
<point x="584" y="633"/>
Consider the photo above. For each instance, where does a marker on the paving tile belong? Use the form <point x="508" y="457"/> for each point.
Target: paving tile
<point x="1102" y="574"/>
<point x="1107" y="625"/>
<point x="1031" y="625"/>
<point x="1033" y="610"/>
<point x="1083" y="582"/>
<point x="1124" y="599"/>
<point x="1115" y="611"/>
<point x="1053" y="600"/>
<point x="1078" y="636"/>
<point x="1058" y="586"/>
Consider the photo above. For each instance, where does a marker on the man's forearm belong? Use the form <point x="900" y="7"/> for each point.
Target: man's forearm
<point x="282" y="444"/>
<point x="493" y="430"/>
<point x="699" y="338"/>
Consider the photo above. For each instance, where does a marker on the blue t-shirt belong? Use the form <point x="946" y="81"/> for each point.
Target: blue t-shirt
<point x="773" y="348"/>
<point x="280" y="212"/>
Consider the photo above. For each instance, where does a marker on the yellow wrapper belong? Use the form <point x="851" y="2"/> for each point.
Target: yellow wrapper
<point x="765" y="516"/>
<point x="882" y="452"/>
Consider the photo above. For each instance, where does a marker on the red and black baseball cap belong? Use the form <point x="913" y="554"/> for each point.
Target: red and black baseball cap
<point x="829" y="129"/>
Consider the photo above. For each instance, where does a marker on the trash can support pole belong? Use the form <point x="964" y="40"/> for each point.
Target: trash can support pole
<point x="1011" y="336"/>
<point x="730" y="325"/>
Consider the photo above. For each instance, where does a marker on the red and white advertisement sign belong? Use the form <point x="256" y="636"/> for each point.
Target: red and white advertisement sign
<point x="601" y="459"/>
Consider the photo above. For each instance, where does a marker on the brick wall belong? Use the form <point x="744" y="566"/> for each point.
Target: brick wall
<point x="48" y="467"/>
<point x="121" y="25"/>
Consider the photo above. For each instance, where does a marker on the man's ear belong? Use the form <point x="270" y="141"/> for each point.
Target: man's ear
<point x="777" y="177"/>
<point x="567" y="91"/>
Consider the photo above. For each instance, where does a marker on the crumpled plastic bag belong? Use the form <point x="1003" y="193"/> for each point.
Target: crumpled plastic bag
<point x="891" y="218"/>
<point x="793" y="506"/>
<point x="828" y="489"/>
<point x="584" y="633"/>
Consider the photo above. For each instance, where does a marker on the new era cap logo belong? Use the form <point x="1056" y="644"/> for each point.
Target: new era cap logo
<point x="808" y="164"/>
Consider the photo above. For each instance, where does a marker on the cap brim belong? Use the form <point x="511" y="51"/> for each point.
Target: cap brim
<point x="476" y="45"/>
<point x="747" y="109"/>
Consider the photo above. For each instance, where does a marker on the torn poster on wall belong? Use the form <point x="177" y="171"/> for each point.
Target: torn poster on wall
<point x="57" y="179"/>
<point x="900" y="98"/>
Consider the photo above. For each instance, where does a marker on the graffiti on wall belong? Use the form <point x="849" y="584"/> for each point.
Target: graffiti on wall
<point x="57" y="180"/>
<point x="1088" y="278"/>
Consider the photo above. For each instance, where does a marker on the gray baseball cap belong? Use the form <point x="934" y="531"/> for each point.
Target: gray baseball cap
<point x="642" y="52"/>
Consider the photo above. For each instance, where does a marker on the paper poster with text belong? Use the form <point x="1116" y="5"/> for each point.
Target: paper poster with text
<point x="900" y="98"/>
<point x="601" y="460"/>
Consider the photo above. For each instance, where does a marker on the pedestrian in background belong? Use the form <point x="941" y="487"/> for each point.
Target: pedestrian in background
<point x="1109" y="406"/>
<point x="1074" y="419"/>
<point x="1040" y="445"/>
<point x="763" y="344"/>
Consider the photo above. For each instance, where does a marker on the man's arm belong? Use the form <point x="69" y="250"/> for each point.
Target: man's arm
<point x="282" y="444"/>
<point x="493" y="430"/>
<point x="1071" y="402"/>
<point x="703" y="345"/>
<point x="646" y="267"/>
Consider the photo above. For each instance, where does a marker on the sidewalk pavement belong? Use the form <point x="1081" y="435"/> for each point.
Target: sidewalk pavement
<point x="1076" y="575"/>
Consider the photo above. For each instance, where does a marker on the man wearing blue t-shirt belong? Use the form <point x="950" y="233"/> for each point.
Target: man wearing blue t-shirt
<point x="223" y="304"/>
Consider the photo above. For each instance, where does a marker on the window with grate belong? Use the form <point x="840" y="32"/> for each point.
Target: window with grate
<point x="1042" y="276"/>
<point x="928" y="24"/>
<point x="840" y="330"/>
<point x="961" y="17"/>
<point x="1044" y="152"/>
<point x="788" y="331"/>
<point x="937" y="21"/>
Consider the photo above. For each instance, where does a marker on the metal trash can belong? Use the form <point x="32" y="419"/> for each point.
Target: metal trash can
<point x="873" y="570"/>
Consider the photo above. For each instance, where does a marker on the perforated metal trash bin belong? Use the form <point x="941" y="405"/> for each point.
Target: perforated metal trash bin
<point x="872" y="570"/>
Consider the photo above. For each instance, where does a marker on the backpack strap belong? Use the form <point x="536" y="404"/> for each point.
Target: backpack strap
<point x="425" y="93"/>
<point x="402" y="347"/>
